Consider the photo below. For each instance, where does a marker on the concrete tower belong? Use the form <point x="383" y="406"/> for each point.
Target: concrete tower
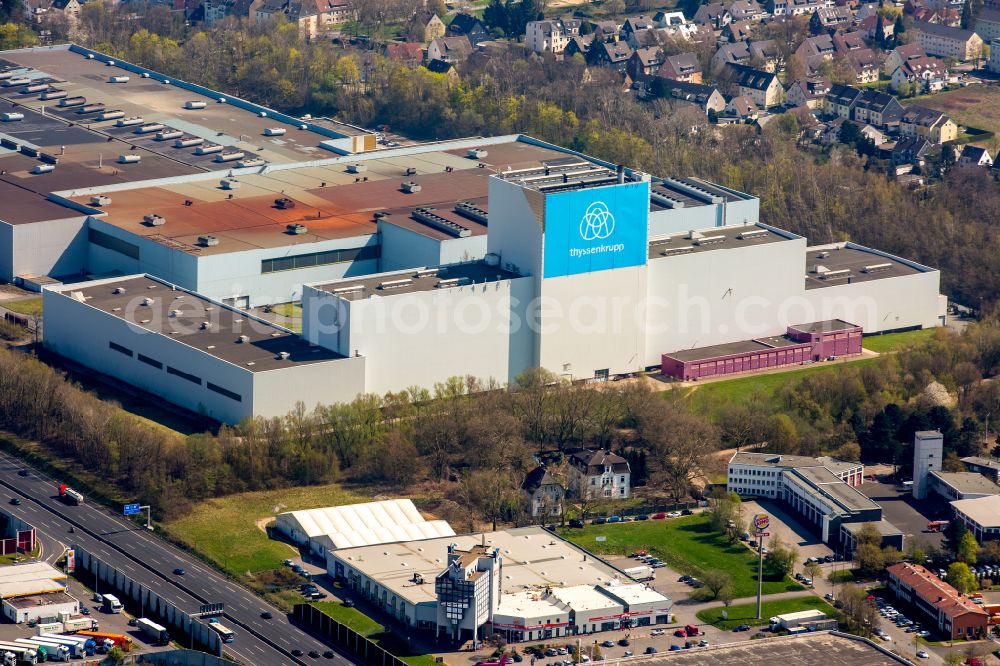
<point x="928" y="447"/>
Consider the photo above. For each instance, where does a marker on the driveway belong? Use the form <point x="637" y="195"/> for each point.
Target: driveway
<point x="910" y="516"/>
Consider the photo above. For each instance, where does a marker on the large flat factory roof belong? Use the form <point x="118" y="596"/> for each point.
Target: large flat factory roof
<point x="161" y="308"/>
<point x="406" y="282"/>
<point x="832" y="265"/>
<point x="336" y="199"/>
<point x="716" y="238"/>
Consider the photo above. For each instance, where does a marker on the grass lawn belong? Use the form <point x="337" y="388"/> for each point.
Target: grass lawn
<point x="287" y="309"/>
<point x="224" y="530"/>
<point x="29" y="306"/>
<point x="687" y="544"/>
<point x="711" y="397"/>
<point x="894" y="342"/>
<point x="373" y="631"/>
<point x="975" y="106"/>
<point x="747" y="613"/>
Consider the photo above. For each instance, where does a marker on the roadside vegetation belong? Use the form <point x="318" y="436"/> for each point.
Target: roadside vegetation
<point x="747" y="613"/>
<point x="375" y="632"/>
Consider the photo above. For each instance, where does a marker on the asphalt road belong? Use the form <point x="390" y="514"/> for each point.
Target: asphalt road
<point x="150" y="560"/>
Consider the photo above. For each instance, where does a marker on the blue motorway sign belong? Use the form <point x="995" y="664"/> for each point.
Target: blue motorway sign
<point x="594" y="229"/>
<point x="131" y="509"/>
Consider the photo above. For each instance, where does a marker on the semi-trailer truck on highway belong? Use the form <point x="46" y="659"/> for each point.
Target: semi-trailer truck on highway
<point x="68" y="495"/>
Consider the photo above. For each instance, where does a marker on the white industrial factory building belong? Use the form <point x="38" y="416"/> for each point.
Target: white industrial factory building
<point x="477" y="257"/>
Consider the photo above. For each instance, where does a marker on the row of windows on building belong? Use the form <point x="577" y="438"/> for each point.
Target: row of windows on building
<point x="194" y="379"/>
<point x="312" y="259"/>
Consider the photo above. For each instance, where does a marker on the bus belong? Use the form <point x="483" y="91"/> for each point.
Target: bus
<point x="156" y="633"/>
<point x="226" y="634"/>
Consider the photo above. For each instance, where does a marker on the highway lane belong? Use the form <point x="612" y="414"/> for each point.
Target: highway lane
<point x="148" y="559"/>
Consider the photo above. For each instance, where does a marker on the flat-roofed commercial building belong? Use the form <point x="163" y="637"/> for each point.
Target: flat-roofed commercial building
<point x="988" y="467"/>
<point x="33" y="591"/>
<point x="953" y="614"/>
<point x="981" y="515"/>
<point x="961" y="485"/>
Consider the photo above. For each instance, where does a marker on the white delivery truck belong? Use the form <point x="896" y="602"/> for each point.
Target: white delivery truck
<point x="640" y="573"/>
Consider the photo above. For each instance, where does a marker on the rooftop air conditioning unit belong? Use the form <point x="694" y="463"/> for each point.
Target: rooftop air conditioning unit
<point x="820" y="269"/>
<point x="195" y="104"/>
<point x="476" y="153"/>
<point x="118" y="79"/>
<point x="283" y="355"/>
<point x="284" y="203"/>
<point x="145" y="75"/>
<point x="275" y="131"/>
<point x="187" y="142"/>
<point x="43" y="168"/>
<point x="176" y="313"/>
<point x="129" y="122"/>
<point x="222" y="100"/>
<point x="262" y="114"/>
<point x="129" y="158"/>
<point x="154" y="220"/>
<point x="111" y="115"/>
<point x="147" y="301"/>
<point x="167" y="134"/>
<point x="410" y="187"/>
<point x="208" y="149"/>
<point x="243" y="339"/>
<point x="357" y="168"/>
<point x="205" y="326"/>
<point x="248" y="162"/>
<point x="119" y="290"/>
<point x="100" y="200"/>
<point x="296" y="229"/>
<point x="11" y="117"/>
<point x="149" y="128"/>
<point x="208" y="241"/>
<point x="229" y="157"/>
<point x="229" y="184"/>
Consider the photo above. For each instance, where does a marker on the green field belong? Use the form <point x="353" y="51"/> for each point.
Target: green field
<point x="747" y="613"/>
<point x="975" y="106"/>
<point x="894" y="342"/>
<point x="373" y="631"/>
<point x="687" y="544"/>
<point x="224" y="530"/>
<point x="29" y="306"/>
<point x="287" y="309"/>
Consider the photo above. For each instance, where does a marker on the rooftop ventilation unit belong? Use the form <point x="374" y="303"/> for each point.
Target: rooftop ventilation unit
<point x="43" y="168"/>
<point x="110" y="63"/>
<point x="66" y="102"/>
<point x="34" y="88"/>
<point x="52" y="94"/>
<point x="710" y="240"/>
<point x="694" y="235"/>
<point x="476" y="153"/>
<point x="97" y="107"/>
<point x="208" y="241"/>
<point x="427" y="272"/>
<point x="167" y="134"/>
<point x="5" y="75"/>
<point x="130" y="122"/>
<point x="243" y="339"/>
<point x="472" y="212"/>
<point x="283" y="356"/>
<point x="357" y="168"/>
<point x="275" y="131"/>
<point x="118" y="79"/>
<point x="262" y="114"/>
<point x="748" y="235"/>
<point x="176" y="313"/>
<point x="28" y="150"/>
<point x="837" y="274"/>
<point x="205" y="326"/>
<point x="154" y="220"/>
<point x="11" y="116"/>
<point x="10" y="83"/>
<point x="664" y="200"/>
<point x="100" y="200"/>
<point x="820" y="269"/>
<point x="284" y="203"/>
<point x="248" y="162"/>
<point x="395" y="284"/>
<point x="348" y="290"/>
<point x="452" y="282"/>
<point x="119" y="290"/>
<point x="229" y="184"/>
<point x="129" y="158"/>
<point x="429" y="217"/>
<point x="145" y="75"/>
<point x="208" y="149"/>
<point x="194" y="104"/>
<point x="229" y="157"/>
<point x="296" y="229"/>
<point x="877" y="268"/>
<point x="188" y="141"/>
<point x="410" y="171"/>
<point x="149" y="128"/>
<point x="822" y="255"/>
<point x="410" y="187"/>
<point x="114" y="114"/>
<point x="677" y="250"/>
<point x="147" y="301"/>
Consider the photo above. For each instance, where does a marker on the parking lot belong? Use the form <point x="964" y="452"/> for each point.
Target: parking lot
<point x="907" y="514"/>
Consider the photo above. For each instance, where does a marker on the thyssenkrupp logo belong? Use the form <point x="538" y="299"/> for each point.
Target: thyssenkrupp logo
<point x="597" y="223"/>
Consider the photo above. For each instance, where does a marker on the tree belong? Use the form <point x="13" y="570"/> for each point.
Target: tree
<point x="990" y="552"/>
<point x="780" y="559"/>
<point x="813" y="570"/>
<point x="716" y="580"/>
<point x="859" y="615"/>
<point x="116" y="655"/>
<point x="953" y="534"/>
<point x="961" y="578"/>
<point x="725" y="511"/>
<point x="967" y="549"/>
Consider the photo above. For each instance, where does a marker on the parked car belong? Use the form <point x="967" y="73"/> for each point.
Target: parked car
<point x="598" y="521"/>
<point x="923" y="654"/>
<point x="657" y="632"/>
<point x="742" y="627"/>
<point x="623" y="642"/>
<point x="674" y="514"/>
<point x="687" y="512"/>
<point x="608" y="644"/>
<point x="703" y="643"/>
<point x="650" y="650"/>
<point x="614" y="519"/>
<point x="658" y="516"/>
<point x="628" y="653"/>
<point x="675" y="648"/>
<point x="575" y="523"/>
<point x="680" y="633"/>
<point x="642" y="516"/>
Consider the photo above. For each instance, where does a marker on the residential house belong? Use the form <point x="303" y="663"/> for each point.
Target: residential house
<point x="746" y="10"/>
<point x="868" y="27"/>
<point x="314" y="17"/>
<point x="946" y="16"/>
<point x="931" y="124"/>
<point x="846" y="42"/>
<point x="644" y="38"/>
<point x="742" y="108"/>
<point x="429" y="24"/>
<point x="544" y="492"/>
<point x="605" y="31"/>
<point x="877" y="109"/>
<point x="901" y="54"/>
<point x="994" y="63"/>
<point x="925" y="74"/>
<point x="645" y="62"/>
<point x="765" y="54"/>
<point x="596" y="474"/>
<point x="988" y="23"/>
<point x="550" y="36"/>
<point x="633" y="25"/>
<point x="975" y="156"/>
<point x="41" y="11"/>
<point x="794" y="7"/>
<point x="408" y="53"/>
<point x="877" y="137"/>
<point x="816" y="49"/>
<point x="714" y="15"/>
<point x="449" y="49"/>
<point x="940" y="40"/>
<point x="864" y="63"/>
<point x="615" y="55"/>
<point x="831" y="19"/>
<point x="674" y="24"/>
<point x="443" y="67"/>
<point x="840" y="101"/>
<point x="762" y="87"/>
<point x="910" y="150"/>
<point x="738" y="31"/>
<point x="217" y="10"/>
<point x="809" y="92"/>
<point x="681" y="67"/>
<point x="706" y="98"/>
<point x="737" y="53"/>
<point x="468" y="26"/>
<point x="579" y="44"/>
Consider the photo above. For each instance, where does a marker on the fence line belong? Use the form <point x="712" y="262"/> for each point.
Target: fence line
<point x="345" y="637"/>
